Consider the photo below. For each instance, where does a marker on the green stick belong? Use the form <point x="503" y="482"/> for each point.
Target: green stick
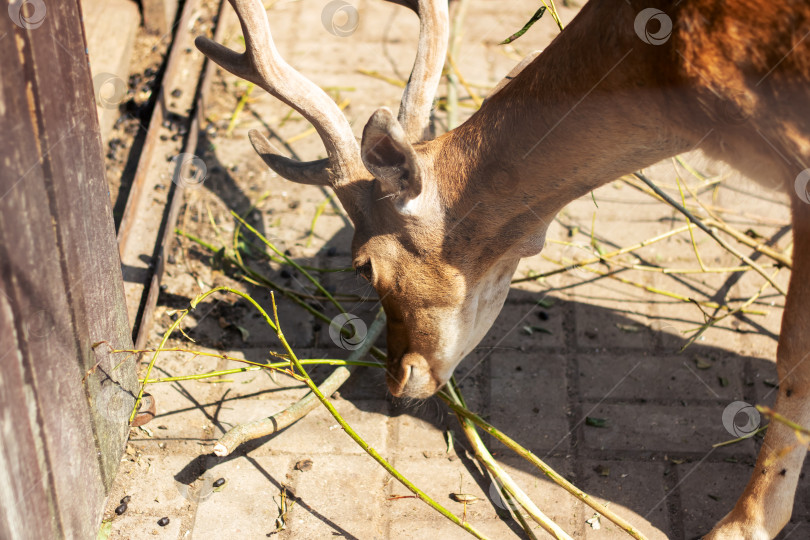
<point x="725" y="245"/>
<point x="289" y="261"/>
<point x="548" y="471"/>
<point x="483" y="455"/>
<point x="275" y="365"/>
<point x="267" y="426"/>
<point x="363" y="444"/>
<point x="318" y="211"/>
<point x="536" y="17"/>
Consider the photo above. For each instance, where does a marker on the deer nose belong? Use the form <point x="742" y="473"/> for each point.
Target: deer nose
<point x="412" y="377"/>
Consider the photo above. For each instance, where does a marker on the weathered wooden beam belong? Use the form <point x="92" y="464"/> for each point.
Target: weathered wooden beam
<point x="147" y="226"/>
<point x="63" y="402"/>
<point x="158" y="15"/>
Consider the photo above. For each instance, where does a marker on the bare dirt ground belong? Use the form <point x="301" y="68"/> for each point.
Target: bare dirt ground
<point x="571" y="347"/>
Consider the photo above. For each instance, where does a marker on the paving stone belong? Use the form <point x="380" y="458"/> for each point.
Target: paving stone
<point x="266" y="384"/>
<point x="142" y="526"/>
<point x="184" y="411"/>
<point x="474" y="370"/>
<point x="601" y="327"/>
<point x="640" y="217"/>
<point x="442" y="477"/>
<point x="366" y="383"/>
<point x="320" y="526"/>
<point x="676" y="321"/>
<point x="425" y="431"/>
<point x="236" y="506"/>
<point x="474" y="381"/>
<point x="630" y="489"/>
<point x="689" y="378"/>
<point x="296" y="324"/>
<point x="795" y="531"/>
<point x="760" y="334"/>
<point x="763" y="381"/>
<point x="526" y="327"/>
<point x="659" y="428"/>
<point x="551" y="499"/>
<point x="752" y="198"/>
<point x="439" y="478"/>
<point x="317" y="431"/>
<point x="541" y="387"/>
<point x="340" y="493"/>
<point x="155" y="492"/>
<point x="413" y="528"/>
<point x="708" y="492"/>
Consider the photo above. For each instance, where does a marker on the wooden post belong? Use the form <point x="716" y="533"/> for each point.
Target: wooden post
<point x="64" y="400"/>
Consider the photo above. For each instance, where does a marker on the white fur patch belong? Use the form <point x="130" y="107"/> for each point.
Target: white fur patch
<point x="415" y="206"/>
<point x="462" y="329"/>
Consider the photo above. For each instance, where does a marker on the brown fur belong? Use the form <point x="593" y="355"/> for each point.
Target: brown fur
<point x="444" y="223"/>
<point x="733" y="79"/>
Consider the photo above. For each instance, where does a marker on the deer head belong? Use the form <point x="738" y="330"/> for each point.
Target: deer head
<point x="440" y="290"/>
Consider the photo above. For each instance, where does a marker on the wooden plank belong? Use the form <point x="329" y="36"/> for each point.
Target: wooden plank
<point x="23" y="494"/>
<point x="190" y="146"/>
<point x="110" y="27"/>
<point x="33" y="282"/>
<point x="158" y="15"/>
<point x="62" y="288"/>
<point x="86" y="231"/>
<point x="146" y="211"/>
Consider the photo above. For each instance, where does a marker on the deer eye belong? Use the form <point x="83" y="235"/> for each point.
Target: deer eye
<point x="365" y="271"/>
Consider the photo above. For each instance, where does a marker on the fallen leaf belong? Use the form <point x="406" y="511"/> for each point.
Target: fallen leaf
<point x="545" y="302"/>
<point x="629" y="328"/>
<point x="243" y="331"/>
<point x="595" y="422"/>
<point x="464" y="498"/>
<point x="702" y="363"/>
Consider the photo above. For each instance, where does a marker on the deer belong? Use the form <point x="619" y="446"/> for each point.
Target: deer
<point x="442" y="222"/>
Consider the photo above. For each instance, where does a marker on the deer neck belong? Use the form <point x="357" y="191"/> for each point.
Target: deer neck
<point x="556" y="132"/>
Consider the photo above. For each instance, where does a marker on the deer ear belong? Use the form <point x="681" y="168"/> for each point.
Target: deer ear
<point x="389" y="156"/>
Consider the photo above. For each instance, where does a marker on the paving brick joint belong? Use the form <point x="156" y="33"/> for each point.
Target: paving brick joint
<point x="590" y="380"/>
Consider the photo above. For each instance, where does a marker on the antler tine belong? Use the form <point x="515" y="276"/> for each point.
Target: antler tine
<point x="263" y="65"/>
<point x="417" y="100"/>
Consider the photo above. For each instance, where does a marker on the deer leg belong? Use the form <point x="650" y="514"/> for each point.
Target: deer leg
<point x="766" y="504"/>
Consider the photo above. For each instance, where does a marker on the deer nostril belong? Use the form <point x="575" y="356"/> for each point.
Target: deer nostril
<point x="397" y="375"/>
<point x="413" y="378"/>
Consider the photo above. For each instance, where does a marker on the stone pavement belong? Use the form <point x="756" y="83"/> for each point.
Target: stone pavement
<point x="595" y="348"/>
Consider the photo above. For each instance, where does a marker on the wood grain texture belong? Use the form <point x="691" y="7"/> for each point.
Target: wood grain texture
<point x="62" y="289"/>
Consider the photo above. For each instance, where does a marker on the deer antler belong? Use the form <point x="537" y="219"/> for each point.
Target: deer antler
<point x="417" y="100"/>
<point x="263" y="65"/>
